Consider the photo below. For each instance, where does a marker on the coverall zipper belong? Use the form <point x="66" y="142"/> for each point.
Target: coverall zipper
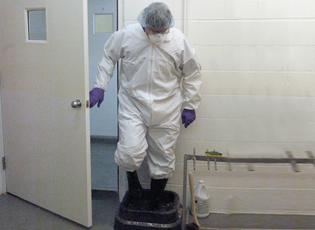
<point x="150" y="82"/>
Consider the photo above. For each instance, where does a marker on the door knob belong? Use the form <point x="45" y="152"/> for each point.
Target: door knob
<point x="76" y="104"/>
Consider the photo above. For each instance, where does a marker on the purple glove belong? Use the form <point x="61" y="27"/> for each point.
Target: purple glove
<point x="96" y="95"/>
<point x="188" y="116"/>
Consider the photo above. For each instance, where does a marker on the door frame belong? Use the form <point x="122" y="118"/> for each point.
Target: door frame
<point x="122" y="178"/>
<point x="3" y="187"/>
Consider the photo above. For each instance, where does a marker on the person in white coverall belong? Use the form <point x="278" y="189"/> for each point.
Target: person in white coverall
<point x="159" y="85"/>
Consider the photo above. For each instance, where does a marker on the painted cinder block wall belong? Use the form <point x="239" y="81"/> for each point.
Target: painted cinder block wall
<point x="258" y="99"/>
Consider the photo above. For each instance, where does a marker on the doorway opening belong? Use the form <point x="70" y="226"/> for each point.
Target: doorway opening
<point x="102" y="22"/>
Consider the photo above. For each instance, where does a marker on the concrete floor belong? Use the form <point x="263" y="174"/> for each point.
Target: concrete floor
<point x="17" y="214"/>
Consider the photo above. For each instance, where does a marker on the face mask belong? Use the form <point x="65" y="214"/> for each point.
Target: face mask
<point x="157" y="38"/>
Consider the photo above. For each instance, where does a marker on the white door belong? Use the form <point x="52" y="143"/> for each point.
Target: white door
<point x="44" y="68"/>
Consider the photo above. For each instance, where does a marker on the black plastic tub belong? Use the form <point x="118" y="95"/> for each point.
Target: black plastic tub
<point x="136" y="215"/>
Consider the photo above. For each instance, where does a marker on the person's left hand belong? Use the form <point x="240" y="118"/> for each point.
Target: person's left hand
<point x="188" y="116"/>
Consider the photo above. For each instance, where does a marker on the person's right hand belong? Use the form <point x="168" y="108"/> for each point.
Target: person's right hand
<point x="96" y="96"/>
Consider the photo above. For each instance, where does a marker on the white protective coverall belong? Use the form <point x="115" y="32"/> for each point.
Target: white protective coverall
<point x="156" y="82"/>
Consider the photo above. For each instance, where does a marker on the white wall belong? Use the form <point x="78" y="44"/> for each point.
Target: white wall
<point x="258" y="61"/>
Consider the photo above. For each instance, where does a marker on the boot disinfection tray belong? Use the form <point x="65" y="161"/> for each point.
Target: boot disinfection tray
<point x="136" y="215"/>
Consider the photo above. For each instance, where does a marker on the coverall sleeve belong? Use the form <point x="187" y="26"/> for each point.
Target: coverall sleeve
<point x="191" y="82"/>
<point x="112" y="52"/>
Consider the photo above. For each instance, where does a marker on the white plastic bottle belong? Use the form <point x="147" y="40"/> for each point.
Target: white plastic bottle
<point x="202" y="198"/>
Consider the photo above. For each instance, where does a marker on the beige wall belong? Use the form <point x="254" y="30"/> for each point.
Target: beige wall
<point x="258" y="98"/>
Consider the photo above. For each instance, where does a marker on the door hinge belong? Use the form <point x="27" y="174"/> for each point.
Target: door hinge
<point x="4" y="165"/>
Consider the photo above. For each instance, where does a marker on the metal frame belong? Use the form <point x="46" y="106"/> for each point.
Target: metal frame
<point x="291" y="160"/>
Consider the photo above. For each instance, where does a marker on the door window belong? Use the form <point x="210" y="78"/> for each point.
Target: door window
<point x="103" y="23"/>
<point x="36" y="25"/>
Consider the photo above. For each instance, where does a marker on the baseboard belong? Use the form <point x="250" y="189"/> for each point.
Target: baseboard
<point x="278" y="212"/>
<point x="104" y="194"/>
<point x="104" y="139"/>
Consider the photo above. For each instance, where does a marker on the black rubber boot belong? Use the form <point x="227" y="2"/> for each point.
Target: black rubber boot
<point x="134" y="186"/>
<point x="157" y="188"/>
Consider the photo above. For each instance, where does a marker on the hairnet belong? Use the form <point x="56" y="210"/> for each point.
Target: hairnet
<point x="157" y="15"/>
